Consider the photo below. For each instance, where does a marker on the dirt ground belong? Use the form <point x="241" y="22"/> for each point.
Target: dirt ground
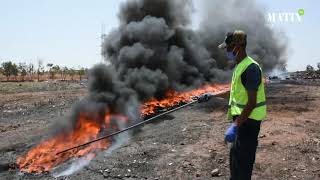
<point x="187" y="144"/>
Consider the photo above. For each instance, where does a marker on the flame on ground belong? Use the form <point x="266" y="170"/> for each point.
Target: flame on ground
<point x="43" y="157"/>
<point x="174" y="98"/>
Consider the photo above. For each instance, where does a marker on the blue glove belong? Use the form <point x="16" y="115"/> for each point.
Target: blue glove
<point x="204" y="97"/>
<point x="231" y="132"/>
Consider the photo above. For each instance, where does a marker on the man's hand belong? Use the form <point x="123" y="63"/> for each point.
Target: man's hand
<point x="204" y="97"/>
<point x="231" y="133"/>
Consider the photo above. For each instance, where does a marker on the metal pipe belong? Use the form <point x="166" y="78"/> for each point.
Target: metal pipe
<point x="195" y="99"/>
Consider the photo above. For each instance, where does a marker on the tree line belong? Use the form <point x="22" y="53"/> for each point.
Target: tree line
<point x="31" y="72"/>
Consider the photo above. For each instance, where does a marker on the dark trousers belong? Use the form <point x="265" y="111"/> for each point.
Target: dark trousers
<point x="243" y="150"/>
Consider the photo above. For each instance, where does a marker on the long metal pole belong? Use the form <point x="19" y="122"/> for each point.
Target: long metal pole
<point x="130" y="127"/>
<point x="143" y="122"/>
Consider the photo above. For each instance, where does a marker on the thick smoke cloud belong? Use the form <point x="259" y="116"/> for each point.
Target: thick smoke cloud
<point x="107" y="94"/>
<point x="105" y="88"/>
<point x="153" y="51"/>
<point x="264" y="45"/>
<point x="175" y="13"/>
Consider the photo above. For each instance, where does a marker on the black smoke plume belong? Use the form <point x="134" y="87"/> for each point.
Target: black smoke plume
<point x="153" y="50"/>
<point x="264" y="44"/>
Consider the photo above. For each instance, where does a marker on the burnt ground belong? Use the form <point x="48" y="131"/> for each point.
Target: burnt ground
<point x="187" y="144"/>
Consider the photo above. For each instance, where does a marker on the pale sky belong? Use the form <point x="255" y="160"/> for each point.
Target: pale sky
<point x="68" y="32"/>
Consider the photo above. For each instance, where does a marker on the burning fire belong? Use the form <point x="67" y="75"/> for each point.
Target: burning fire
<point x="174" y="98"/>
<point x="43" y="157"/>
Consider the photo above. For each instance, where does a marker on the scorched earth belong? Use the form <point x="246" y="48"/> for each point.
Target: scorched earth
<point x="187" y="144"/>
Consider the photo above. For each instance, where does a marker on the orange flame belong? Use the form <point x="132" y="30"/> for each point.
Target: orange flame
<point x="43" y="157"/>
<point x="174" y="98"/>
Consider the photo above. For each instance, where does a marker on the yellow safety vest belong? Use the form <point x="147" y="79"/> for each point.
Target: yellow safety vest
<point x="239" y="97"/>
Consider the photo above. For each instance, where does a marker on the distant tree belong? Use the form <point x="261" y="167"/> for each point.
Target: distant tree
<point x="64" y="73"/>
<point x="23" y="74"/>
<point x="15" y="71"/>
<point x="40" y="69"/>
<point x="71" y="73"/>
<point x="23" y="70"/>
<point x="318" y="65"/>
<point x="81" y="72"/>
<point x="54" y="70"/>
<point x="7" y="69"/>
<point x="30" y="70"/>
<point x="1" y="70"/>
<point x="49" y="65"/>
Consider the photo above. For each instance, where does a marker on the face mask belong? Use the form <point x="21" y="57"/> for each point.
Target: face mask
<point x="231" y="56"/>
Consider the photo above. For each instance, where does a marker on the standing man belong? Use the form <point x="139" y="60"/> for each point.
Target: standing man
<point x="247" y="106"/>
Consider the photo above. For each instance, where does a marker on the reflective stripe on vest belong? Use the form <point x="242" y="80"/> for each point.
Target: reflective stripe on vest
<point x="239" y="95"/>
<point x="243" y="105"/>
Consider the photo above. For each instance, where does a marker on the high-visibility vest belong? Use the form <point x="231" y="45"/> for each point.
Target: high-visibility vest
<point x="239" y="97"/>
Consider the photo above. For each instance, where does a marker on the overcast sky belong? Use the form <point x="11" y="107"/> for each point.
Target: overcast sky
<point x="68" y="32"/>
